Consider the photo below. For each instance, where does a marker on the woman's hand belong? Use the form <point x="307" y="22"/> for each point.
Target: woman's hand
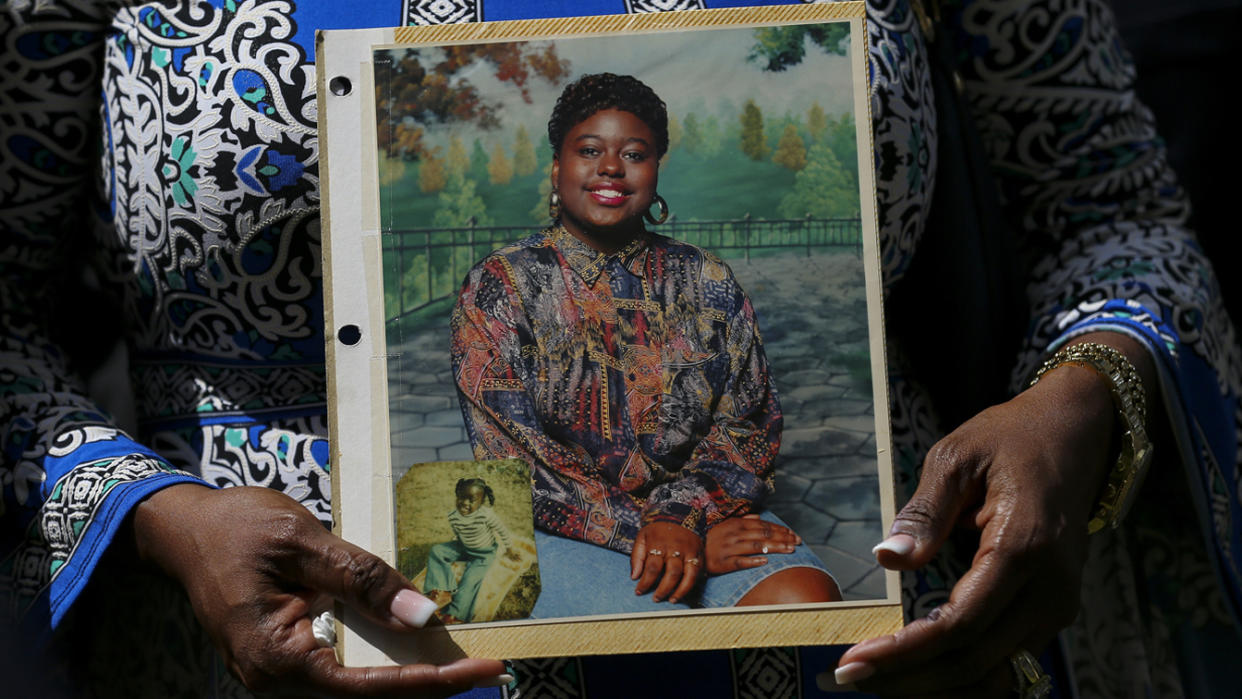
<point x="670" y="554"/>
<point x="1026" y="474"/>
<point x="744" y="542"/>
<point x="257" y="567"/>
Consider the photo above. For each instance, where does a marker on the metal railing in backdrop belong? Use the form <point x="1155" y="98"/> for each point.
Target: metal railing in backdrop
<point x="425" y="265"/>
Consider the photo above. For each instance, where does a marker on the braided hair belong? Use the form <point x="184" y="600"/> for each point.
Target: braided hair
<point x="599" y="91"/>
<point x="465" y="484"/>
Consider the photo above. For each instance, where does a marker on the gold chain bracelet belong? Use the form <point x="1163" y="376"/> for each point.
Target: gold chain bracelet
<point x="1130" y="400"/>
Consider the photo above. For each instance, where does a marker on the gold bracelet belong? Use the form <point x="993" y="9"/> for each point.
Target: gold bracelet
<point x="1130" y="400"/>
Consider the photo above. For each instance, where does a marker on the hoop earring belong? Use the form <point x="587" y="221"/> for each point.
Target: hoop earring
<point x="663" y="206"/>
<point x="554" y="205"/>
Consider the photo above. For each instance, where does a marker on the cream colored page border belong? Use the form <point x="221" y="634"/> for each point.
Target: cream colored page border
<point x="875" y="293"/>
<point x="362" y="488"/>
<point x="357" y="414"/>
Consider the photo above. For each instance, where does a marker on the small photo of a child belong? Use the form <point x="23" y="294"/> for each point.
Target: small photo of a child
<point x="465" y="538"/>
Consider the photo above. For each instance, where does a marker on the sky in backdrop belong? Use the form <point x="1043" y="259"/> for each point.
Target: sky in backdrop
<point x="692" y="71"/>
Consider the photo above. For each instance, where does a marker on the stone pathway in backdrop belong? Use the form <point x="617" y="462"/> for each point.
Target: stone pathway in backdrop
<point x="814" y="322"/>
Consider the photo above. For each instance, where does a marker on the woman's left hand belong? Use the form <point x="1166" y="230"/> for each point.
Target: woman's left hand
<point x="1026" y="474"/>
<point x="738" y="543"/>
<point x="667" y="553"/>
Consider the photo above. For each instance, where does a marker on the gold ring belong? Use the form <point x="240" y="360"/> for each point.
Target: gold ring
<point x="1031" y="680"/>
<point x="655" y="552"/>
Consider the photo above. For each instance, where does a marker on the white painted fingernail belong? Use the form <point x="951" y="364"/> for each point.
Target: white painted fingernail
<point x="850" y="673"/>
<point x="898" y="544"/>
<point x="412" y="609"/>
<point x="828" y="683"/>
<point x="500" y="680"/>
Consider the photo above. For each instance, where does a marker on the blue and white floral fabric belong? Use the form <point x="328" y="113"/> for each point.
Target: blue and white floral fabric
<point x="172" y="147"/>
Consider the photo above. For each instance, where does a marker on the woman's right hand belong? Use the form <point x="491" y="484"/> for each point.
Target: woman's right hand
<point x="738" y="543"/>
<point x="257" y="566"/>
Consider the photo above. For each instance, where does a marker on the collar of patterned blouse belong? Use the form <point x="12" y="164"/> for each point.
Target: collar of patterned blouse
<point x="589" y="263"/>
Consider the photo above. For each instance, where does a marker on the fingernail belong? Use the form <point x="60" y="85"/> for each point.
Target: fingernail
<point x="828" y="683"/>
<point x="497" y="681"/>
<point x="850" y="673"/>
<point x="898" y="544"/>
<point x="412" y="609"/>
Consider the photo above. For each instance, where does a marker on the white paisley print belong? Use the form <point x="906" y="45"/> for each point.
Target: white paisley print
<point x="159" y="187"/>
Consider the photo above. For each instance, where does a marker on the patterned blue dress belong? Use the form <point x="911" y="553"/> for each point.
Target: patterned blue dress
<point x="170" y="148"/>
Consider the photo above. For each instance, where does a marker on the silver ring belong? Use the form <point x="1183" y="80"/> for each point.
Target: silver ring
<point x="676" y="554"/>
<point x="1031" y="682"/>
<point x="655" y="552"/>
<point x="764" y="549"/>
<point x="324" y="629"/>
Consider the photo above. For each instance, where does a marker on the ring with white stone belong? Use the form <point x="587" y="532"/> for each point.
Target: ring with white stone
<point x="324" y="629"/>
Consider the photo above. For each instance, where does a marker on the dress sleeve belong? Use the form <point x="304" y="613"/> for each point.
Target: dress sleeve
<point x="730" y="470"/>
<point x="68" y="477"/>
<point x="569" y="496"/>
<point x="1083" y="174"/>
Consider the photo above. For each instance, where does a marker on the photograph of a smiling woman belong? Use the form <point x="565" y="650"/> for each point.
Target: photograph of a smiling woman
<point x="628" y="367"/>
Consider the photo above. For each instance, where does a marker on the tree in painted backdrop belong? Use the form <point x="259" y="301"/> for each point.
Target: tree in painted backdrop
<point x="822" y="189"/>
<point x="459" y="204"/>
<point x="816" y="122"/>
<point x="407" y="140"/>
<point x="540" y="212"/>
<point x="431" y="175"/>
<point x="524" y="162"/>
<point x="692" y="135"/>
<point x="841" y="137"/>
<point x="499" y="169"/>
<point x="478" y="160"/>
<point x="777" y="48"/>
<point x="675" y="132"/>
<point x="713" y="136"/>
<point x="430" y="86"/>
<point x="754" y="145"/>
<point x="790" y="152"/>
<point x="457" y="162"/>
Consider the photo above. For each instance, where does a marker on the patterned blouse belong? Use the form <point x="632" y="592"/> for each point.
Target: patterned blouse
<point x="633" y="382"/>
<point x="171" y="147"/>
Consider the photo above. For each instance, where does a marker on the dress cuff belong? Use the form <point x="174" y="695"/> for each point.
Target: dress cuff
<point x="681" y="514"/>
<point x="93" y="483"/>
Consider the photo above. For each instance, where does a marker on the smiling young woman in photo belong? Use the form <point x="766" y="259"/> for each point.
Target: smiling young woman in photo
<point x="627" y="369"/>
